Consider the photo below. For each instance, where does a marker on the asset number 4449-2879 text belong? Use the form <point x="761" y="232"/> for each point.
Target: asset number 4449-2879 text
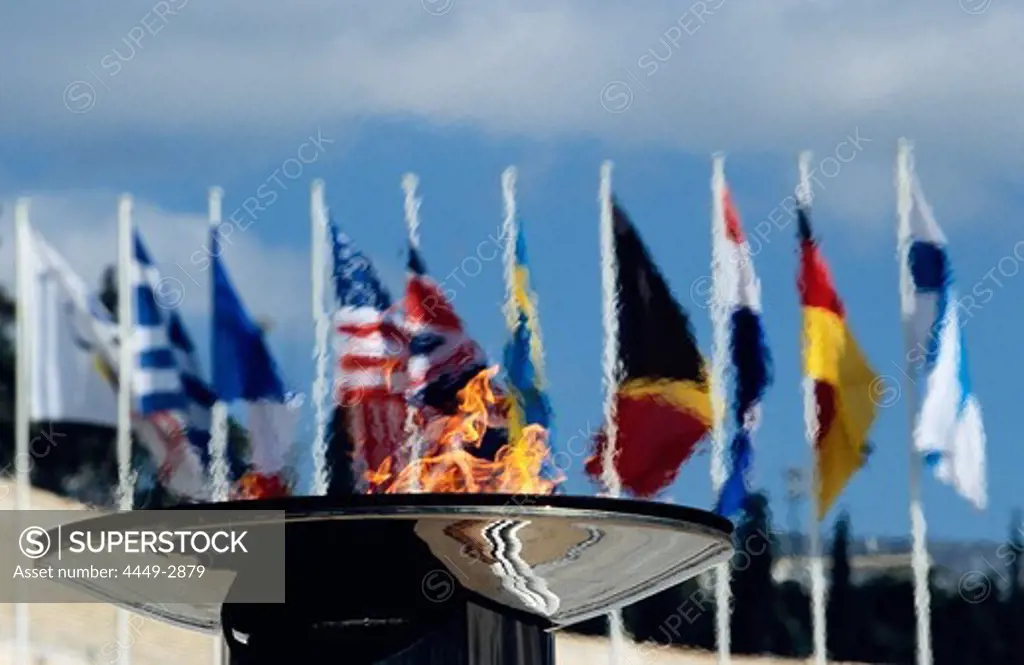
<point x="168" y="571"/>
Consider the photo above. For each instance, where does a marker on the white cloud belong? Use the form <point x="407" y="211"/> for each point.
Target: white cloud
<point x="82" y="226"/>
<point x="747" y="76"/>
<point x="750" y="75"/>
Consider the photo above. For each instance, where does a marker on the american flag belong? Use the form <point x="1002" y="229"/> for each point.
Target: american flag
<point x="372" y="349"/>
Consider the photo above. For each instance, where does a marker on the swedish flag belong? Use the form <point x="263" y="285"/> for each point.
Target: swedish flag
<point x="524" y="355"/>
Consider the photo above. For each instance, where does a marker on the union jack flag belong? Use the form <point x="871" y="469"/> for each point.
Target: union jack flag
<point x="443" y="357"/>
<point x="373" y="354"/>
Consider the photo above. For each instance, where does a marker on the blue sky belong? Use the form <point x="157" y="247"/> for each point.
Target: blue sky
<point x="458" y="91"/>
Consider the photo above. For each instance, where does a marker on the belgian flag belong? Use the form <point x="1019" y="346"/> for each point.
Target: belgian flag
<point x="842" y="379"/>
<point x="663" y="402"/>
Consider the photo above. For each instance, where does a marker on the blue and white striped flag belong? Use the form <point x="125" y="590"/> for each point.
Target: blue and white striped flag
<point x="948" y="431"/>
<point x="167" y="377"/>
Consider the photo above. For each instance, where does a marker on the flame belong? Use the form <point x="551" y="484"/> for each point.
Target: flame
<point x="255" y="485"/>
<point x="448" y="464"/>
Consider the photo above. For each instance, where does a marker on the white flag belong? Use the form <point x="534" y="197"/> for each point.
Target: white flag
<point x="949" y="432"/>
<point x="93" y="336"/>
<point x="70" y="381"/>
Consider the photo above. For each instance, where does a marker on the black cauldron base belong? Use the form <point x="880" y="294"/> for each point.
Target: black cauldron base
<point x="436" y="578"/>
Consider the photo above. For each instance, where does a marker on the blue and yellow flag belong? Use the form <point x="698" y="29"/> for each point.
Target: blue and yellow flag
<point x="524" y="355"/>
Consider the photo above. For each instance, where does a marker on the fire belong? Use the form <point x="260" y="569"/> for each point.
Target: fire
<point x="448" y="464"/>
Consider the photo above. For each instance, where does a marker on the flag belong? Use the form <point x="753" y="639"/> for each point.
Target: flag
<point x="948" y="429"/>
<point x="244" y="370"/>
<point x="72" y="376"/>
<point x="527" y="402"/>
<point x="166" y="378"/>
<point x="841" y="377"/>
<point x="751" y="360"/>
<point x="663" y="402"/>
<point x="96" y="333"/>
<point x="373" y="354"/>
<point x="443" y="358"/>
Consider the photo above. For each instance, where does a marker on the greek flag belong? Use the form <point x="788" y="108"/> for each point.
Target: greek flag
<point x="949" y="431"/>
<point x="167" y="376"/>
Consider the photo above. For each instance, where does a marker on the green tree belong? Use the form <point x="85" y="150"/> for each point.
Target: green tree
<point x="108" y="289"/>
<point x="1012" y="554"/>
<point x="7" y="335"/>
<point x="681" y="615"/>
<point x="793" y="637"/>
<point x="1013" y="606"/>
<point x="841" y="612"/>
<point x="753" y="589"/>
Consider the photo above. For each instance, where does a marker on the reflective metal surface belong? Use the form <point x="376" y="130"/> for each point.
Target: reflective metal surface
<point x="393" y="559"/>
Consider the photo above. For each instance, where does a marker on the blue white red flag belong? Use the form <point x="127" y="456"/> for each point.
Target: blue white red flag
<point x="738" y="286"/>
<point x="244" y="370"/>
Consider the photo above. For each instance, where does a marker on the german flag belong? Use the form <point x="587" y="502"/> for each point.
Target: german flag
<point x="842" y="379"/>
<point x="663" y="402"/>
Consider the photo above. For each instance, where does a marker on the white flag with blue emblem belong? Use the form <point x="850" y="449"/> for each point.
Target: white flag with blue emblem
<point x="96" y="335"/>
<point x="72" y="334"/>
<point x="948" y="431"/>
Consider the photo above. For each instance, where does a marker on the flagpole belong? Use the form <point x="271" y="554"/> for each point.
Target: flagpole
<point x="219" y="413"/>
<point x="318" y="215"/>
<point x="510" y="233"/>
<point x="22" y="409"/>
<point x="919" y="557"/>
<point x="610" y="369"/>
<point x="805" y="195"/>
<point x="414" y="437"/>
<point x="719" y="321"/>
<point x="126" y="365"/>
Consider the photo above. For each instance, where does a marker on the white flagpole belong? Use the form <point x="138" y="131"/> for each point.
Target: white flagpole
<point x="610" y="366"/>
<point x="318" y="218"/>
<point x="219" y="414"/>
<point x="126" y="365"/>
<point x="719" y="359"/>
<point x="922" y="594"/>
<point x="805" y="195"/>
<point x="219" y="426"/>
<point x="22" y="408"/>
<point x="610" y="319"/>
<point x="510" y="233"/>
<point x="414" y="438"/>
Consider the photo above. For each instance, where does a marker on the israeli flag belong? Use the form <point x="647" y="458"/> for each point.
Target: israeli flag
<point x="948" y="430"/>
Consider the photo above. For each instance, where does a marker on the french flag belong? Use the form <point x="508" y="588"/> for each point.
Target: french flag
<point x="738" y="287"/>
<point x="244" y="370"/>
